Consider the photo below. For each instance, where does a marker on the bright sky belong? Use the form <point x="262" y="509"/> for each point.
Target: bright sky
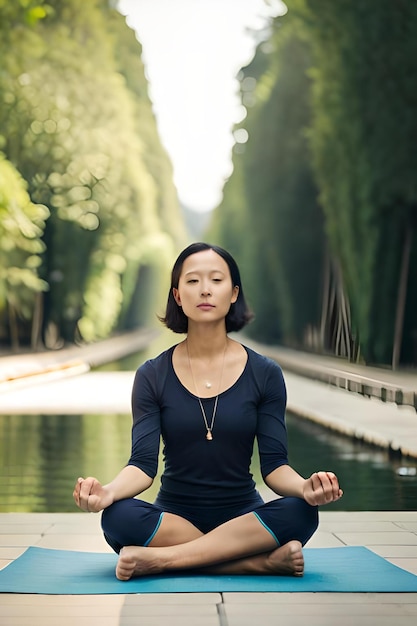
<point x="192" y="51"/>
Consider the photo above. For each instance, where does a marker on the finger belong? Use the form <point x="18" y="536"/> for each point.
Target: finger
<point x="317" y="494"/>
<point x="86" y="488"/>
<point x="316" y="482"/>
<point x="337" y="491"/>
<point x="327" y="487"/>
<point x="76" y="492"/>
<point x="331" y="486"/>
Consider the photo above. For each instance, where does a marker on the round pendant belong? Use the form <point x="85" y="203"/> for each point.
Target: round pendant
<point x="208" y="385"/>
<point x="209" y="436"/>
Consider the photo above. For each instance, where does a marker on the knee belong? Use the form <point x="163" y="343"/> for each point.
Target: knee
<point x="290" y="518"/>
<point x="309" y="512"/>
<point x="110" y="525"/>
<point x="300" y="521"/>
<point x="308" y="517"/>
<point x="130" y="522"/>
<point x="111" y="516"/>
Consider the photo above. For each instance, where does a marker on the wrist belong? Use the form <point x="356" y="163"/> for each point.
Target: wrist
<point x="110" y="494"/>
<point x="305" y="490"/>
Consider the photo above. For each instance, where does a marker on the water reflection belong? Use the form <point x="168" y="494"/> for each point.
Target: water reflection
<point x="370" y="478"/>
<point x="42" y="456"/>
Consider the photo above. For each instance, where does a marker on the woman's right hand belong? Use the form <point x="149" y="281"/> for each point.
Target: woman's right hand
<point x="90" y="495"/>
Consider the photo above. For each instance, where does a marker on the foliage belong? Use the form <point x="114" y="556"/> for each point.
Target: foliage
<point x="363" y="145"/>
<point x="279" y="224"/>
<point x="327" y="180"/>
<point x="21" y="247"/>
<point x="78" y="124"/>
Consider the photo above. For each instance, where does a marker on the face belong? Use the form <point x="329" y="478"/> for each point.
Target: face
<point x="205" y="291"/>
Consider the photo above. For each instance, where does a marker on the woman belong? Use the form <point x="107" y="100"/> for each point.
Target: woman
<point x="209" y="397"/>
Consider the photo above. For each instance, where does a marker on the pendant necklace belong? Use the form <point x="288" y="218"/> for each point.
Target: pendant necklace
<point x="209" y="428"/>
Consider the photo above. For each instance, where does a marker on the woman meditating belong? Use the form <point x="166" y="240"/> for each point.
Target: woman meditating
<point x="209" y="398"/>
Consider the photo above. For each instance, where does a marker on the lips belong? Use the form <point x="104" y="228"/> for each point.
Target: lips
<point x="205" y="306"/>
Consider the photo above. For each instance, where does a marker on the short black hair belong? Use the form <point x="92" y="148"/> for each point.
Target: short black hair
<point x="239" y="313"/>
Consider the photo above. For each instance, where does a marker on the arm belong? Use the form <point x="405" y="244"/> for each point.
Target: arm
<point x="321" y="488"/>
<point x="90" y="495"/>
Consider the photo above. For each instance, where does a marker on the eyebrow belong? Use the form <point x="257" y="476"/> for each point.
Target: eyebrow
<point x="199" y="272"/>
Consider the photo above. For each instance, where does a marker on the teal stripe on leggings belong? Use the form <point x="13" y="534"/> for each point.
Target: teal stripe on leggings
<point x="267" y="527"/>
<point x="155" y="531"/>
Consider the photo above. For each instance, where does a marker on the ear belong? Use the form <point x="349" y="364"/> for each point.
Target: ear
<point x="176" y="295"/>
<point x="235" y="294"/>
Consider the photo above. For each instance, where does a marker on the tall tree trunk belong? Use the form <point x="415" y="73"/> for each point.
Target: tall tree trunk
<point x="401" y="298"/>
<point x="325" y="303"/>
<point x="37" y="318"/>
<point x="13" y="325"/>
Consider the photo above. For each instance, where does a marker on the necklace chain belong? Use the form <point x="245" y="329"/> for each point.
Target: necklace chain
<point x="209" y="428"/>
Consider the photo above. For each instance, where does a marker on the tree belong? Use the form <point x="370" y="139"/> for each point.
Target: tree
<point x="363" y="144"/>
<point x="21" y="247"/>
<point x="79" y="126"/>
<point x="282" y="233"/>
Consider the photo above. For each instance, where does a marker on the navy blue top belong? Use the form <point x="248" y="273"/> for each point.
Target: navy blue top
<point x="218" y="470"/>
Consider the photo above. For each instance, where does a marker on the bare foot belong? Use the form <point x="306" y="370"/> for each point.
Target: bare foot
<point x="287" y="560"/>
<point x="137" y="561"/>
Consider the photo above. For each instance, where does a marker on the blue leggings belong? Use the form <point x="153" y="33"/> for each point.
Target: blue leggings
<point x="135" y="522"/>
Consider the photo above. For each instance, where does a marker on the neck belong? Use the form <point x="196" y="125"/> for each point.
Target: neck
<point x="207" y="343"/>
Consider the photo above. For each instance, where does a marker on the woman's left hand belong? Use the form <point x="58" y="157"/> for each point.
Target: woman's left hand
<point x="322" y="488"/>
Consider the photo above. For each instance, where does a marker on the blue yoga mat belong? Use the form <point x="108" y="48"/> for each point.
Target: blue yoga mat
<point x="65" y="572"/>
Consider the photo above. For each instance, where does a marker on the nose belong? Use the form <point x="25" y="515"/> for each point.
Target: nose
<point x="205" y="290"/>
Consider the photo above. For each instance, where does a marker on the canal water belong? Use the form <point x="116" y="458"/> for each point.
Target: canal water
<point x="41" y="457"/>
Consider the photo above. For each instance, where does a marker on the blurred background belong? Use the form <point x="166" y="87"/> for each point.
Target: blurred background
<point x="286" y="133"/>
<point x="301" y="161"/>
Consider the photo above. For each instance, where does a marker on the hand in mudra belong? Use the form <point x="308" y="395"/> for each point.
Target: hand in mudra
<point x="322" y="488"/>
<point x="90" y="495"/>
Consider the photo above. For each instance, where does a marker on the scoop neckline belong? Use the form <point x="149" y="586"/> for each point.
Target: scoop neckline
<point x="194" y="395"/>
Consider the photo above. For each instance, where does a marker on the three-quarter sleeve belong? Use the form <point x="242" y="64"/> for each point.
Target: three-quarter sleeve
<point x="271" y="429"/>
<point x="146" y="429"/>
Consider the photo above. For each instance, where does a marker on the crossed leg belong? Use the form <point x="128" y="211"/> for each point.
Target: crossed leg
<point x="240" y="546"/>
